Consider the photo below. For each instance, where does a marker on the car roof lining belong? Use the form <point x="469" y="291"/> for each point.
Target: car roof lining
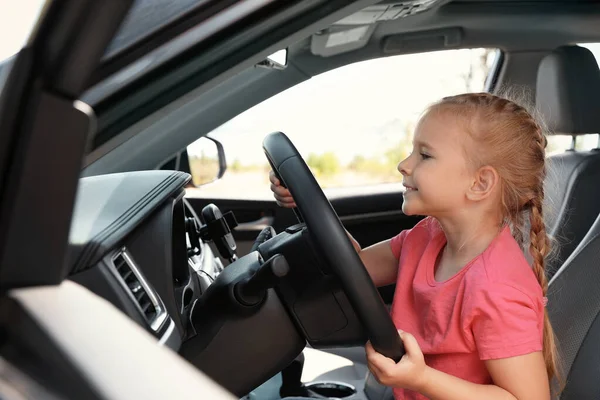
<point x="497" y="24"/>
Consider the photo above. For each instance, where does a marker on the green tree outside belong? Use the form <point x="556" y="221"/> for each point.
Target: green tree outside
<point x="326" y="164"/>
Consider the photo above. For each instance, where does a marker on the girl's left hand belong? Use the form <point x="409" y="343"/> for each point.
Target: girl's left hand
<point x="408" y="373"/>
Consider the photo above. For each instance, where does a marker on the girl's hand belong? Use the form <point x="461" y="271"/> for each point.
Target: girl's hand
<point x="282" y="195"/>
<point x="284" y="199"/>
<point x="408" y="373"/>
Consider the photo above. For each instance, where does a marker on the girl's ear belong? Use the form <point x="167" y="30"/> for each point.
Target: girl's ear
<point x="486" y="179"/>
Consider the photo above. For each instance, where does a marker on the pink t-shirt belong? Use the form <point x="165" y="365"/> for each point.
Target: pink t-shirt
<point x="492" y="308"/>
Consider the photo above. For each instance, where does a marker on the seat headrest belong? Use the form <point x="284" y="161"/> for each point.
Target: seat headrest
<point x="568" y="91"/>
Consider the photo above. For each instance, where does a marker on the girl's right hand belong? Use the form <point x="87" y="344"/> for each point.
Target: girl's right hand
<point x="282" y="195"/>
<point x="284" y="199"/>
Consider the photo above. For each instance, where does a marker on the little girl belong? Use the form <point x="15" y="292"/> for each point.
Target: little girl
<point x="469" y="307"/>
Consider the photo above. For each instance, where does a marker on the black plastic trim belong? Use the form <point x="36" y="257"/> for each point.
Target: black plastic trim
<point x="44" y="133"/>
<point x="140" y="193"/>
<point x="491" y="81"/>
<point x="43" y="228"/>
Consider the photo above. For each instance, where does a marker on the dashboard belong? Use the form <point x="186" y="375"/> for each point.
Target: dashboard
<point x="129" y="245"/>
<point x="138" y="244"/>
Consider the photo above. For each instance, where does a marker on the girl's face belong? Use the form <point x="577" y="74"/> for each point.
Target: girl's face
<point x="436" y="174"/>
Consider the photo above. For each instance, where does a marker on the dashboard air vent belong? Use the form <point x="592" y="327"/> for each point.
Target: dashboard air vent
<point x="143" y="295"/>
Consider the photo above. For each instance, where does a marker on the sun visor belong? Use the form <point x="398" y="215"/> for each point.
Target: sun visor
<point x="338" y="40"/>
<point x="354" y="31"/>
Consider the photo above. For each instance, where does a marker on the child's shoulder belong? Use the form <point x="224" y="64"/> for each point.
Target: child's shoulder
<point x="417" y="238"/>
<point x="503" y="263"/>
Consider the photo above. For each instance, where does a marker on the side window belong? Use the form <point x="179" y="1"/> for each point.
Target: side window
<point x="561" y="143"/>
<point x="352" y="125"/>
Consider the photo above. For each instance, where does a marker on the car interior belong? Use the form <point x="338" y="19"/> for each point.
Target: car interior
<point x="121" y="280"/>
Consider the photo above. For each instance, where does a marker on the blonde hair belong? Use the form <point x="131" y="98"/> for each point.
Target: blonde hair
<point x="512" y="141"/>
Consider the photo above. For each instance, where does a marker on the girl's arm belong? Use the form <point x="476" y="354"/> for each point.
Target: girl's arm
<point x="521" y="377"/>
<point x="515" y="378"/>
<point x="379" y="260"/>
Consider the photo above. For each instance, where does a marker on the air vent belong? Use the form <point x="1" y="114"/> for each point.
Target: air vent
<point x="146" y="299"/>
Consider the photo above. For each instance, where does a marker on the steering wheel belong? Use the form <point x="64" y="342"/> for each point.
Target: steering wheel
<point x="325" y="227"/>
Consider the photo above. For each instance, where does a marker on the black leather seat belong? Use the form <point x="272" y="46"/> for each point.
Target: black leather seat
<point x="568" y="84"/>
<point x="574" y="309"/>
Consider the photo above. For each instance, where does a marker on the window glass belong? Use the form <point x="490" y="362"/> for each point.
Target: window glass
<point x="352" y="125"/>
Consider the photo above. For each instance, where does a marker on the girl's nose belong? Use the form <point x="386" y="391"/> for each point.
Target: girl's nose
<point x="403" y="167"/>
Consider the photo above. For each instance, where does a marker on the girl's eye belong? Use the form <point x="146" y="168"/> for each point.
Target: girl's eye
<point x="425" y="156"/>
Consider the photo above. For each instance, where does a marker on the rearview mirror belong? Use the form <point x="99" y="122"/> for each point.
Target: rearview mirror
<point x="207" y="161"/>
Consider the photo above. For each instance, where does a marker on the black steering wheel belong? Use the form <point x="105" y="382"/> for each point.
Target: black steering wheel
<point x="327" y="230"/>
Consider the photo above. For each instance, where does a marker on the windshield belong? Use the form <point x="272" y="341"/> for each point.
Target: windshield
<point x="147" y="16"/>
